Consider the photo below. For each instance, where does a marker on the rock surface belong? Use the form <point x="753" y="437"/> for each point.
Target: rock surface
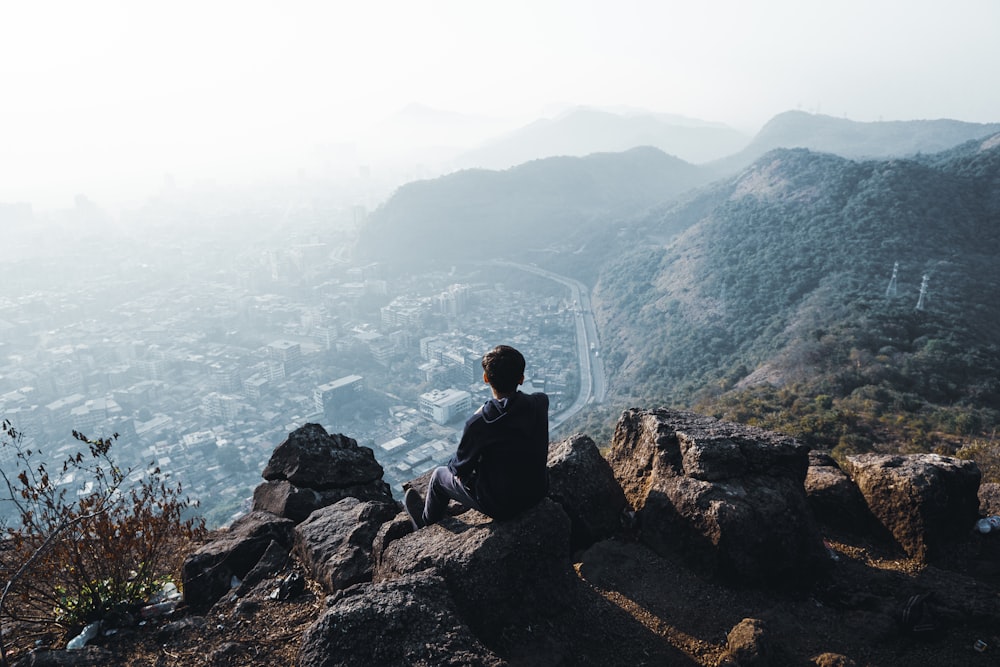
<point x="335" y="542"/>
<point x="729" y="497"/>
<point x="408" y="621"/>
<point x="488" y="564"/>
<point x="583" y="484"/>
<point x="208" y="572"/>
<point x="313" y="469"/>
<point x="925" y="501"/>
<point x="833" y="497"/>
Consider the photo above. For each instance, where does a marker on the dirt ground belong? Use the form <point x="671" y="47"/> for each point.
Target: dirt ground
<point x="639" y="608"/>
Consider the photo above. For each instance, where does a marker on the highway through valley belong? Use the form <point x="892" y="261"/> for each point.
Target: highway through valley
<point x="592" y="380"/>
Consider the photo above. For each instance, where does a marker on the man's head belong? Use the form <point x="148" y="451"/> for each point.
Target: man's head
<point x="503" y="368"/>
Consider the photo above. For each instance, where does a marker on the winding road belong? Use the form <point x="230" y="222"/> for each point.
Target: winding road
<point x="592" y="382"/>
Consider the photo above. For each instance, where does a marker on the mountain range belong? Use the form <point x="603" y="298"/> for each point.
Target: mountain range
<point x="716" y="284"/>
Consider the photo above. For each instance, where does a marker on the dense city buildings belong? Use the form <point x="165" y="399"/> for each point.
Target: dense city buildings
<point x="204" y="358"/>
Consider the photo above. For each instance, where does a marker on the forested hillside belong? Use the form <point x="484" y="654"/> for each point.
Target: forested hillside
<point x="774" y="305"/>
<point x="527" y="212"/>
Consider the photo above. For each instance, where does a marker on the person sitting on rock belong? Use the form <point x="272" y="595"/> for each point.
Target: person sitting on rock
<point x="500" y="465"/>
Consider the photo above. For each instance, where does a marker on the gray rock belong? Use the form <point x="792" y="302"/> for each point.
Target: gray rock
<point x="88" y="656"/>
<point x="925" y="501"/>
<point x="730" y="498"/>
<point x="207" y="573"/>
<point x="283" y="498"/>
<point x="834" y="498"/>
<point x="488" y="564"/>
<point x="582" y="482"/>
<point x="410" y="621"/>
<point x="271" y="562"/>
<point x="311" y="458"/>
<point x="335" y="542"/>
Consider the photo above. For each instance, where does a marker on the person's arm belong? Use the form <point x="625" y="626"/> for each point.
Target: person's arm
<point x="466" y="457"/>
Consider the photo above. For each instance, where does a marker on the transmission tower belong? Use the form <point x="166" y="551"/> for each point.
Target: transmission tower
<point x="923" y="293"/>
<point x="891" y="290"/>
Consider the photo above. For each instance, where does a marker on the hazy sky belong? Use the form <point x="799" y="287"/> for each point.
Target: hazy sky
<point x="105" y="97"/>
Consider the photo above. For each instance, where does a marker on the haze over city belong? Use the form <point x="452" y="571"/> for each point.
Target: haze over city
<point x="109" y="98"/>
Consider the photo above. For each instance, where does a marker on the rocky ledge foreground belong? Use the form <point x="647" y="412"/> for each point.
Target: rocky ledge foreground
<point x="695" y="542"/>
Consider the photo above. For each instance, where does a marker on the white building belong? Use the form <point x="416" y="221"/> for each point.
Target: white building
<point x="443" y="405"/>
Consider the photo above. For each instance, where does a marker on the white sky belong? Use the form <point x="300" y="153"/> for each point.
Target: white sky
<point x="97" y="95"/>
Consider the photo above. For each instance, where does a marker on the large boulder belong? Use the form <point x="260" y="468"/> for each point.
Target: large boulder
<point x="728" y="497"/>
<point x="494" y="570"/>
<point x="313" y="469"/>
<point x="834" y="498"/>
<point x="582" y="482"/>
<point x="410" y="621"/>
<point x="926" y="501"/>
<point x="335" y="542"/>
<point x="208" y="573"/>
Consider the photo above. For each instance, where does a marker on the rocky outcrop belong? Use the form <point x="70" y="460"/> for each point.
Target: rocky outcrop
<point x="411" y="620"/>
<point x="748" y="644"/>
<point x="313" y="469"/>
<point x="487" y="564"/>
<point x="335" y="542"/>
<point x="728" y="497"/>
<point x="925" y="501"/>
<point x="583" y="484"/>
<point x="209" y="572"/>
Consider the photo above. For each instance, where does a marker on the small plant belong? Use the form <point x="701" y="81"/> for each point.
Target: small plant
<point x="89" y="538"/>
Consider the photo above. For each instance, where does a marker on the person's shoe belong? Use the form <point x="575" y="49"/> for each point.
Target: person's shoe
<point x="414" y="505"/>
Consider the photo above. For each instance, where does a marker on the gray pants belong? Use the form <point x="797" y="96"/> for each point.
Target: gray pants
<point x="445" y="486"/>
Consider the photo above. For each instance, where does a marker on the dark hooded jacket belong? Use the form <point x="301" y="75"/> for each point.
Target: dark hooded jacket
<point x="502" y="456"/>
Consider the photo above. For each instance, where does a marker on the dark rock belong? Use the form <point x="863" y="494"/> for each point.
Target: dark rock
<point x="271" y="562"/>
<point x="748" y="645"/>
<point x="208" y="572"/>
<point x="926" y="501"/>
<point x="229" y="653"/>
<point x="989" y="499"/>
<point x="311" y="458"/>
<point x="292" y="585"/>
<point x="175" y="628"/>
<point x="408" y="621"/>
<point x="834" y="498"/>
<point x="582" y="482"/>
<point x="488" y="565"/>
<point x="730" y="498"/>
<point x="335" y="542"/>
<point x="283" y="498"/>
<point x="390" y="531"/>
<point x="88" y="656"/>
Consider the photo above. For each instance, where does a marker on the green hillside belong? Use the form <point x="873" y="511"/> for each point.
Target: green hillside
<point x="527" y="212"/>
<point x="769" y="302"/>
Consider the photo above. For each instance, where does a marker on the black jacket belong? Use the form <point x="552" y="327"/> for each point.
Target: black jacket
<point x="502" y="456"/>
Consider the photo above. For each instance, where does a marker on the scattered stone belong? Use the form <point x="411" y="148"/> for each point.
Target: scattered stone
<point x="748" y="645"/>
<point x="926" y="501"/>
<point x="833" y="660"/>
<point x="88" y="656"/>
<point x="175" y="628"/>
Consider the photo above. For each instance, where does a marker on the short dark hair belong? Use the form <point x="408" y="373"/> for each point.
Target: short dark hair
<point x="504" y="368"/>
